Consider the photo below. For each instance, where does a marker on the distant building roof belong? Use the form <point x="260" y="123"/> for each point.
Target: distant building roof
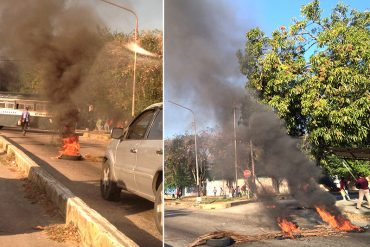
<point x="352" y="153"/>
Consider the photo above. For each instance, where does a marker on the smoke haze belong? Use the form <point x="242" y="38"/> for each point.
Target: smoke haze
<point x="201" y="40"/>
<point x="63" y="40"/>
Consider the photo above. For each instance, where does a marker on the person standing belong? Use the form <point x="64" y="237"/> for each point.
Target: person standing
<point x="363" y="190"/>
<point x="344" y="189"/>
<point x="25" y="120"/>
<point x="221" y="191"/>
<point x="91" y="118"/>
<point x="214" y="191"/>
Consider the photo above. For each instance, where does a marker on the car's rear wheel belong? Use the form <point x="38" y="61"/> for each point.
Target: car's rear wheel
<point x="108" y="188"/>
<point x="158" y="207"/>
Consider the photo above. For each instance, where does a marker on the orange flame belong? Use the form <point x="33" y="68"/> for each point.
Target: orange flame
<point x="288" y="228"/>
<point x="71" y="146"/>
<point x="337" y="222"/>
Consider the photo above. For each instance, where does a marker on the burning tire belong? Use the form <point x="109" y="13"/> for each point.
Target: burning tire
<point x="219" y="242"/>
<point x="70" y="157"/>
<point x="158" y="207"/>
<point x="108" y="188"/>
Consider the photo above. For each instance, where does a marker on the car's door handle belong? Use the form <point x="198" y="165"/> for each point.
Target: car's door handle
<point x="133" y="150"/>
<point x="159" y="151"/>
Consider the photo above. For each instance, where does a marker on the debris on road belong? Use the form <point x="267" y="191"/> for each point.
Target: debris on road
<point x="319" y="231"/>
<point x="36" y="195"/>
<point x="93" y="158"/>
<point x="62" y="233"/>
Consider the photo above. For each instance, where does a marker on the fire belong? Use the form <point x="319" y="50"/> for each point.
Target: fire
<point x="288" y="228"/>
<point x="337" y="222"/>
<point x="71" y="146"/>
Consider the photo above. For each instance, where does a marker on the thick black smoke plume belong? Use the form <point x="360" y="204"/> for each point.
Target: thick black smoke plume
<point x="201" y="40"/>
<point x="8" y="75"/>
<point x="59" y="36"/>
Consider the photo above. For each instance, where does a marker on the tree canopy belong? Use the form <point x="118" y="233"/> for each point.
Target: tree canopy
<point x="180" y="166"/>
<point x="316" y="76"/>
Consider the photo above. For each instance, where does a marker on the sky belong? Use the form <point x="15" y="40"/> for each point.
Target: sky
<point x="149" y="12"/>
<point x="244" y="14"/>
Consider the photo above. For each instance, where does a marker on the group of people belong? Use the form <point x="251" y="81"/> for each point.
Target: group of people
<point x="234" y="192"/>
<point x="363" y="190"/>
<point x="108" y="124"/>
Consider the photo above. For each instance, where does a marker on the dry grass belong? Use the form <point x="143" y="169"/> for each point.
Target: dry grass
<point x="62" y="233"/>
<point x="9" y="162"/>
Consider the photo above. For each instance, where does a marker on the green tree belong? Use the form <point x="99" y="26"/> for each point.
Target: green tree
<point x="180" y="166"/>
<point x="316" y="76"/>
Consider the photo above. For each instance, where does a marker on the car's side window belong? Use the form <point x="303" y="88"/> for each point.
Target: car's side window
<point x="157" y="128"/>
<point x="138" y="128"/>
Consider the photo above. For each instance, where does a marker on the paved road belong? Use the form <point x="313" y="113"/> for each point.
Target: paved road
<point x="132" y="215"/>
<point x="184" y="225"/>
<point x="18" y="215"/>
<point x="351" y="240"/>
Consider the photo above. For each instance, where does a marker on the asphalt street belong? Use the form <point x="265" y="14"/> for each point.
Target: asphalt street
<point x="184" y="225"/>
<point x="19" y="216"/>
<point x="132" y="215"/>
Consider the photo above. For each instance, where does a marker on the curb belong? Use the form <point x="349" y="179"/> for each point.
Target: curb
<point x="94" y="229"/>
<point x="96" y="136"/>
<point x="216" y="205"/>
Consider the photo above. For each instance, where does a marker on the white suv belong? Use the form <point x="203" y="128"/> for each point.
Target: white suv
<point x="134" y="160"/>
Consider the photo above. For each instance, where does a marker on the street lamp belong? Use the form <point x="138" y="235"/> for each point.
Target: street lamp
<point x="195" y="142"/>
<point x="135" y="52"/>
<point x="235" y="154"/>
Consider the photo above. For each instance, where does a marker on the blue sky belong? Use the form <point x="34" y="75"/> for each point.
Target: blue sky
<point x="149" y="12"/>
<point x="267" y="15"/>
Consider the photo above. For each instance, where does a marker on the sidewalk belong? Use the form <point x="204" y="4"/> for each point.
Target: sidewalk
<point x="22" y="220"/>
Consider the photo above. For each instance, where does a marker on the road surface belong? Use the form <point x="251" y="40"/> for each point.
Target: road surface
<point x="184" y="225"/>
<point x="132" y="215"/>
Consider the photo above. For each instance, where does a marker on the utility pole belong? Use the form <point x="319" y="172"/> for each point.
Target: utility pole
<point x="195" y="146"/>
<point x="252" y="164"/>
<point x="235" y="153"/>
<point x="135" y="52"/>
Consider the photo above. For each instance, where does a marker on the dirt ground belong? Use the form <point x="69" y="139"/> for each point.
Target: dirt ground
<point x="30" y="216"/>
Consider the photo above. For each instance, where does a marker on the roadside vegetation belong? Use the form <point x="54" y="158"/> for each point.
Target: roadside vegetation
<point x="315" y="74"/>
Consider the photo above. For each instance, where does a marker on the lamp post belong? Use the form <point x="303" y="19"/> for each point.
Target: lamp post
<point x="135" y="52"/>
<point x="195" y="142"/>
<point x="235" y="154"/>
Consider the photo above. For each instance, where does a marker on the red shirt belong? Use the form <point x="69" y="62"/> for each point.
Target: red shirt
<point x="343" y="184"/>
<point x="364" y="184"/>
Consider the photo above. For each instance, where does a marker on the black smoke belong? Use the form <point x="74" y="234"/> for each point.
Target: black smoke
<point x="61" y="37"/>
<point x="201" y="41"/>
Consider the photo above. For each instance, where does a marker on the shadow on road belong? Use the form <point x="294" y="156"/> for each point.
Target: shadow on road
<point x="168" y="213"/>
<point x="18" y="214"/>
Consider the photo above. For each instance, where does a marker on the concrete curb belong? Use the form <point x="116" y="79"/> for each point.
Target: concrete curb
<point x="96" y="136"/>
<point x="94" y="229"/>
<point x="216" y="205"/>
